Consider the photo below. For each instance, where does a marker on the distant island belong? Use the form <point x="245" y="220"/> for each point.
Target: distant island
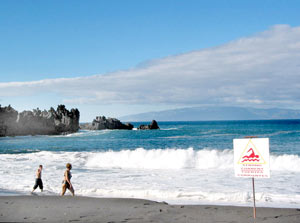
<point x="210" y="113"/>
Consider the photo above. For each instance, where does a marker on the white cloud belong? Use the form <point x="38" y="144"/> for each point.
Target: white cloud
<point x="261" y="70"/>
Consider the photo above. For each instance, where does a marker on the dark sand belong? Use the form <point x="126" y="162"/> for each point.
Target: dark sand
<point x="84" y="209"/>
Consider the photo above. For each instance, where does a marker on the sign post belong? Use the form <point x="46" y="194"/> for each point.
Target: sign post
<point x="251" y="160"/>
<point x="254" y="205"/>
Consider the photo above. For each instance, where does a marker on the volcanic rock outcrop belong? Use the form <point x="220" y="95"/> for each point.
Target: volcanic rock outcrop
<point x="153" y="125"/>
<point x="101" y="122"/>
<point x="37" y="122"/>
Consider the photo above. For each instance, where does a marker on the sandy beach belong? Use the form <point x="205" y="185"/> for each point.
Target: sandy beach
<point x="109" y="210"/>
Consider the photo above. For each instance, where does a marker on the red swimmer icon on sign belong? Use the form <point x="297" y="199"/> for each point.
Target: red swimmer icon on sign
<point x="250" y="158"/>
<point x="251" y="155"/>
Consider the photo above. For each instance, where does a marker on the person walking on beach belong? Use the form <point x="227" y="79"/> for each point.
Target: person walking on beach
<point x="66" y="184"/>
<point x="38" y="179"/>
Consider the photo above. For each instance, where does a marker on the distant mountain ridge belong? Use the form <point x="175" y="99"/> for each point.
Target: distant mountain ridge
<point x="215" y="113"/>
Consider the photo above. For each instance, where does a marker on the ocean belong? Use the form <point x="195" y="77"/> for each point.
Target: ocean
<point x="182" y="163"/>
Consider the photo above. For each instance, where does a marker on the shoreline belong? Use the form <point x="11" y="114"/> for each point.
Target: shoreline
<point x="88" y="209"/>
<point x="8" y="193"/>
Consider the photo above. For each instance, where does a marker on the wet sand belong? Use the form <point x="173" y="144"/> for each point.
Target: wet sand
<point x="117" y="210"/>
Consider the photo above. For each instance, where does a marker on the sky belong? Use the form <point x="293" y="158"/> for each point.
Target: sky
<point x="116" y="58"/>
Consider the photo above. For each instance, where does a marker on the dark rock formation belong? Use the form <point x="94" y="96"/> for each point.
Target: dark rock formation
<point x="37" y="122"/>
<point x="101" y="123"/>
<point x="153" y="125"/>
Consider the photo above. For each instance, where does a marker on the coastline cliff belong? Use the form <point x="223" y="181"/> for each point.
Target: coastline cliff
<point x="37" y="122"/>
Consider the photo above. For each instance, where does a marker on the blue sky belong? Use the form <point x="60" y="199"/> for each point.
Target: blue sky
<point x="71" y="39"/>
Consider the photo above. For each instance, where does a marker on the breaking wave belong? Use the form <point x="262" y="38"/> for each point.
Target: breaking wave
<point x="174" y="175"/>
<point x="180" y="159"/>
<point x="141" y="158"/>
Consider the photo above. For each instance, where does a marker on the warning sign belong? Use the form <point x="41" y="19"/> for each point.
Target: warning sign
<point x="251" y="157"/>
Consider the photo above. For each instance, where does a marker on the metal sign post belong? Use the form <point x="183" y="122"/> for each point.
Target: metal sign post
<point x="254" y="206"/>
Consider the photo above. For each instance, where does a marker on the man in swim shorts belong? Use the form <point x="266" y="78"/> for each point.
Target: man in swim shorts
<point x="38" y="179"/>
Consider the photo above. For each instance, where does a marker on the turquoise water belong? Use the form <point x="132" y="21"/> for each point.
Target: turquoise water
<point x="284" y="137"/>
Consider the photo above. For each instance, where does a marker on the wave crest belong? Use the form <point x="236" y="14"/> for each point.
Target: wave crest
<point x="180" y="159"/>
<point x="162" y="159"/>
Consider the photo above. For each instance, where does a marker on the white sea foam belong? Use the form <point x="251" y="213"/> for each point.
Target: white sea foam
<point x="176" y="137"/>
<point x="181" y="159"/>
<point x="168" y="129"/>
<point x="82" y="133"/>
<point x="161" y="159"/>
<point x="285" y="163"/>
<point x="174" y="175"/>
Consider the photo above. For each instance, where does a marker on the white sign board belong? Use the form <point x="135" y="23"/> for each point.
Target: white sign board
<point x="251" y="157"/>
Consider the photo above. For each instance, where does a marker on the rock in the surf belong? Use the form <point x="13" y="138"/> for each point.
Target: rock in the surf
<point x="153" y="125"/>
<point x="37" y="122"/>
<point x="101" y="122"/>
